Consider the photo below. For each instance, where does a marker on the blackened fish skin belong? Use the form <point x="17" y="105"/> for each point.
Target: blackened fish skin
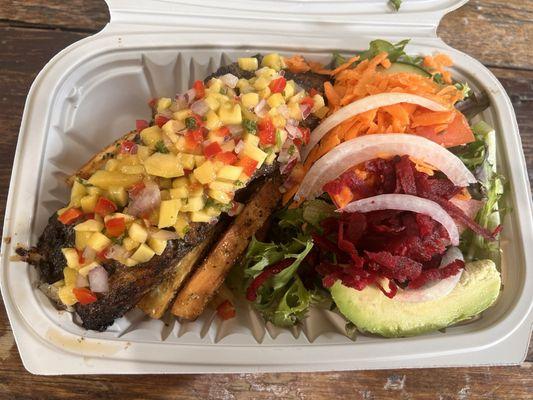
<point x="127" y="285"/>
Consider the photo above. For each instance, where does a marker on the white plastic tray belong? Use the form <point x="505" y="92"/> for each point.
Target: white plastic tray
<point x="92" y="92"/>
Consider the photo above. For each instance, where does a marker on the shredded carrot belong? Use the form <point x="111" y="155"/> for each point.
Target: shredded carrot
<point x="432" y="118"/>
<point x="332" y="96"/>
<point x="463" y="195"/>
<point x="297" y="64"/>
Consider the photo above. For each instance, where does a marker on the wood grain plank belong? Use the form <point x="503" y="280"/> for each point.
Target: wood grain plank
<point x="497" y="33"/>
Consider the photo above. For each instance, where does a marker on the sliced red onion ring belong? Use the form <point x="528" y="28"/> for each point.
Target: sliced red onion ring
<point x="407" y="202"/>
<point x="200" y="107"/>
<point x="147" y="200"/>
<point x="293" y="132"/>
<point x="436" y="289"/>
<point x="363" y="105"/>
<point x="229" y="80"/>
<point x="305" y="109"/>
<point x="261" y="108"/>
<point x="368" y="147"/>
<point x="98" y="279"/>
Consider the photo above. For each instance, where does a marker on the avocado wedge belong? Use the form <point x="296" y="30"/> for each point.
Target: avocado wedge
<point x="371" y="311"/>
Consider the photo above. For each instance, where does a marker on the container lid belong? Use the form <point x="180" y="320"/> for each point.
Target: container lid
<point x="322" y="17"/>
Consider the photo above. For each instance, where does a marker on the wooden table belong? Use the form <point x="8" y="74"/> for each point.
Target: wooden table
<point x="495" y="32"/>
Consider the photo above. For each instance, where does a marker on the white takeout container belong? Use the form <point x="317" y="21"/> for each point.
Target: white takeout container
<point x="92" y="92"/>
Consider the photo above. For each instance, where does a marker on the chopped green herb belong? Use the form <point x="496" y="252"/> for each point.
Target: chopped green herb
<point x="438" y="78"/>
<point x="395" y="4"/>
<point x="160" y="147"/>
<point x="224" y="90"/>
<point x="464" y="88"/>
<point x="279" y="143"/>
<point x="291" y="150"/>
<point x="239" y="183"/>
<point x="190" y="123"/>
<point x="250" y="126"/>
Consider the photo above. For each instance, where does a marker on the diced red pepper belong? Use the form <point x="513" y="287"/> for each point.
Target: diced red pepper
<point x="161" y="120"/>
<point x="278" y="85"/>
<point x="115" y="226"/>
<point x="212" y="149"/>
<point x="104" y="207"/>
<point x="199" y="87"/>
<point x="152" y="102"/>
<point x="102" y="254"/>
<point x="199" y="122"/>
<point x="223" y="131"/>
<point x="227" y="157"/>
<point x="193" y="138"/>
<point x="84" y="295"/>
<point x="140" y="124"/>
<point x="312" y="92"/>
<point x="306" y="134"/>
<point x="70" y="216"/>
<point x="226" y="310"/>
<point x="248" y="165"/>
<point x="308" y="101"/>
<point x="128" y="147"/>
<point x="267" y="132"/>
<point x="81" y="259"/>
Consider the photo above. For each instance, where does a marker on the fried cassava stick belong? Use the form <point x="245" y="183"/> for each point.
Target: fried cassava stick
<point x="205" y="282"/>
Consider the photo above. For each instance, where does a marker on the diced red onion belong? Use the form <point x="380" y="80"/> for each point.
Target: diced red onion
<point x="98" y="279"/>
<point x="363" y="105"/>
<point x="407" y="202"/>
<point x="181" y="102"/>
<point x="200" y="107"/>
<point x="163" y="234"/>
<point x="235" y="129"/>
<point x="89" y="254"/>
<point x="81" y="281"/>
<point x="239" y="147"/>
<point x="436" y="289"/>
<point x="293" y="132"/>
<point x="368" y="147"/>
<point x="190" y="95"/>
<point x="281" y="72"/>
<point x="229" y="80"/>
<point x="147" y="200"/>
<point x="261" y="108"/>
<point x="292" y="122"/>
<point x="117" y="252"/>
<point x="305" y="109"/>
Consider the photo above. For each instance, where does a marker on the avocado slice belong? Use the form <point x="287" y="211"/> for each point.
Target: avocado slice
<point x="371" y="311"/>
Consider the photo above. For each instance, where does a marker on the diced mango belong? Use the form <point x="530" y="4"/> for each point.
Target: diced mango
<point x="138" y="233"/>
<point x="228" y="146"/>
<point x="198" y="161"/>
<point x="254" y="153"/>
<point x="127" y="218"/>
<point x="261" y="83"/>
<point x="276" y="100"/>
<point x="212" y="211"/>
<point x="158" y="246"/>
<point x="250" y="139"/>
<point x="278" y="121"/>
<point x="230" y="115"/>
<point x="151" y="135"/>
<point x="106" y="179"/>
<point x="248" y="63"/>
<point x="172" y="127"/>
<point x="196" y="189"/>
<point x="72" y="257"/>
<point x="212" y="102"/>
<point x="66" y="295"/>
<point x="143" y="152"/>
<point x="182" y="114"/>
<point x="118" y="195"/>
<point x="288" y="92"/>
<point x="164" y="165"/>
<point x="220" y="196"/>
<point x="250" y="100"/>
<point x="298" y="97"/>
<point x="163" y="103"/>
<point x="168" y="212"/>
<point x="165" y="194"/>
<point x="179" y="193"/>
<point x="205" y="173"/>
<point x="143" y="253"/>
<point x="193" y="204"/>
<point x="130" y="244"/>
<point x="130" y="262"/>
<point x="85" y="270"/>
<point x="321" y="112"/>
<point x="273" y="61"/>
<point x="244" y="86"/>
<point x="270" y="158"/>
<point x="93" y="190"/>
<point x="81" y="239"/>
<point x="181" y="226"/>
<point x="229" y="172"/>
<point x="318" y="103"/>
<point x="223" y="186"/>
<point x="294" y="111"/>
<point x="78" y="190"/>
<point x="70" y="276"/>
<point x="132" y="169"/>
<point x="98" y="241"/>
<point x="264" y="93"/>
<point x="91" y="225"/>
<point x="180" y="182"/>
<point x="200" y="216"/>
<point x="88" y="203"/>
